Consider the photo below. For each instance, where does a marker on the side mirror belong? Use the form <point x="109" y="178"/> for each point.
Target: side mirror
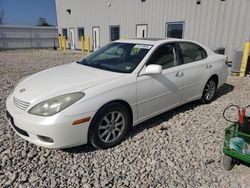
<point x="153" y="69"/>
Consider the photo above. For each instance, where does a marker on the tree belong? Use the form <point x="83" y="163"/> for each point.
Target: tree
<point x="42" y="22"/>
<point x="1" y="17"/>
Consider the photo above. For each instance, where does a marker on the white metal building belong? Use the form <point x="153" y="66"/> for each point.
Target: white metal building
<point x="13" y="37"/>
<point x="214" y="23"/>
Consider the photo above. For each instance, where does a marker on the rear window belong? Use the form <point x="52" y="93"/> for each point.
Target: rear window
<point x="192" y="52"/>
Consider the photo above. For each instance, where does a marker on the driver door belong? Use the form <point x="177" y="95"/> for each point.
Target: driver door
<point x="157" y="93"/>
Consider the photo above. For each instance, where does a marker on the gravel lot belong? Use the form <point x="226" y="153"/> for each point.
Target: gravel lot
<point x="171" y="150"/>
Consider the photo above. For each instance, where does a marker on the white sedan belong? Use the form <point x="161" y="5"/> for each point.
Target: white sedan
<point x="124" y="83"/>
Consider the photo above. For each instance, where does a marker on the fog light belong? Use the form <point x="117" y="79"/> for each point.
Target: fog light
<point x="45" y="139"/>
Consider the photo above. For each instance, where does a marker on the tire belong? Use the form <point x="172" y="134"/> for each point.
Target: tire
<point x="109" y="126"/>
<point x="209" y="91"/>
<point x="228" y="162"/>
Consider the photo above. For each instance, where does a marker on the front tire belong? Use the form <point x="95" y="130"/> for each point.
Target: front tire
<point x="109" y="126"/>
<point x="209" y="91"/>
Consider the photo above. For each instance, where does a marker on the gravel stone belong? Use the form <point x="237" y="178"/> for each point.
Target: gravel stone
<point x="33" y="179"/>
<point x="170" y="163"/>
<point x="86" y="185"/>
<point x="31" y="154"/>
<point x="52" y="181"/>
<point x="23" y="154"/>
<point x="174" y="149"/>
<point x="23" y="177"/>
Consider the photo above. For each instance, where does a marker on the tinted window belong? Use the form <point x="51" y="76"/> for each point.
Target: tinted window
<point x="114" y="33"/>
<point x="166" y="56"/>
<point x="65" y="33"/>
<point x="192" y="52"/>
<point x="175" y="30"/>
<point x="117" y="57"/>
<point x="80" y="32"/>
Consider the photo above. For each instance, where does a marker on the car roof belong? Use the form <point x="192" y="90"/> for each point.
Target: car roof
<point x="150" y="41"/>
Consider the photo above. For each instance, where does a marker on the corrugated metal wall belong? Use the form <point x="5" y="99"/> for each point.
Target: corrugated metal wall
<point x="214" y="23"/>
<point x="13" y="37"/>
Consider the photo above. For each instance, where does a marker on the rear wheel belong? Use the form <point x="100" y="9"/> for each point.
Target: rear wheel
<point x="109" y="126"/>
<point x="228" y="162"/>
<point x="209" y="91"/>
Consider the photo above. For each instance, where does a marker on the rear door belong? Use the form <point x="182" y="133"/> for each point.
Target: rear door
<point x="194" y="59"/>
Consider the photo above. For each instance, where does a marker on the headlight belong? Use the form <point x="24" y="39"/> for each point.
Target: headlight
<point x="56" y="104"/>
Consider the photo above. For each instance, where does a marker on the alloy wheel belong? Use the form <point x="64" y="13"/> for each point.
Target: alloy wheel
<point x="209" y="90"/>
<point x="111" y="126"/>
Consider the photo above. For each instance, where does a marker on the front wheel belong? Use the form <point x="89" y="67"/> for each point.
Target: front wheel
<point x="209" y="91"/>
<point x="109" y="126"/>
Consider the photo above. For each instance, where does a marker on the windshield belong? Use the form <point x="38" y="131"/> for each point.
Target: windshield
<point x="117" y="57"/>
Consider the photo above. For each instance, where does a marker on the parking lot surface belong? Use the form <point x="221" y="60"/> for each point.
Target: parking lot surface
<point x="180" y="148"/>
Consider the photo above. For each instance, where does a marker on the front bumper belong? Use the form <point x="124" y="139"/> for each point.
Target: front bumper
<point x="55" y="131"/>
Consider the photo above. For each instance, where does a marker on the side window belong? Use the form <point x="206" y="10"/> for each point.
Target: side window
<point x="192" y="52"/>
<point x="166" y="56"/>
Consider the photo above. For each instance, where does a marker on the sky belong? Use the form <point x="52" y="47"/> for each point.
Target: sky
<point x="27" y="12"/>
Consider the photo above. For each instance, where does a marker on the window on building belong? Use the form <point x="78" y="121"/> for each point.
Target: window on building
<point x="175" y="30"/>
<point x="80" y="32"/>
<point x="192" y="52"/>
<point x="166" y="56"/>
<point x="65" y="33"/>
<point x="114" y="33"/>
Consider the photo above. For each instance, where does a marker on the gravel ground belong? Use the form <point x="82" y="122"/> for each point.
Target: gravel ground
<point x="180" y="148"/>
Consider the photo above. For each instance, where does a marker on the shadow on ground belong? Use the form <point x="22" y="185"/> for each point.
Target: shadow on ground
<point x="157" y="120"/>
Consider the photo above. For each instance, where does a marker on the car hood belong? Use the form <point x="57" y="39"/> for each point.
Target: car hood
<point x="61" y="80"/>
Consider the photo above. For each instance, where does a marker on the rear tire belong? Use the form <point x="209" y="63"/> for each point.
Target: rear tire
<point x="109" y="126"/>
<point x="209" y="91"/>
<point x="228" y="162"/>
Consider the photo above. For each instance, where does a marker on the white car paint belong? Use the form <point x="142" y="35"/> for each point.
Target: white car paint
<point x="147" y="95"/>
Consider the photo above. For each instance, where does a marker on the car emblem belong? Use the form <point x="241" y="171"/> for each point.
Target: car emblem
<point x="22" y="90"/>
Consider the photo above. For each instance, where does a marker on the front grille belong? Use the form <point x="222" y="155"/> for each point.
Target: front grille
<point x="21" y="104"/>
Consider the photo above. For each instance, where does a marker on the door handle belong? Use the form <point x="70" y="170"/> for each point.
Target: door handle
<point x="179" y="74"/>
<point x="209" y="66"/>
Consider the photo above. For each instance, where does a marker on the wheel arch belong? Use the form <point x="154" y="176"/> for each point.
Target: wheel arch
<point x="215" y="77"/>
<point x="118" y="101"/>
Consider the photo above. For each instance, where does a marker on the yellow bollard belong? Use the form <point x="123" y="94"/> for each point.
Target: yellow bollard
<point x="82" y="40"/>
<point x="60" y="42"/>
<point x="88" y="40"/>
<point x="64" y="42"/>
<point x="244" y="59"/>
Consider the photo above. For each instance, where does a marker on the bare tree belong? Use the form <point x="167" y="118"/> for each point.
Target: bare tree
<point x="1" y="16"/>
<point x="42" y="22"/>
